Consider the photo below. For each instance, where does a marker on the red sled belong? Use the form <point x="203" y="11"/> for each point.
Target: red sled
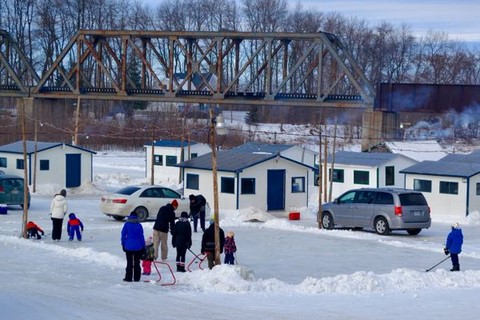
<point x="174" y="280"/>
<point x="199" y="257"/>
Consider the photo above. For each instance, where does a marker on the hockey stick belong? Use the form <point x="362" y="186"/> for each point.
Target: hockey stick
<point x="438" y="263"/>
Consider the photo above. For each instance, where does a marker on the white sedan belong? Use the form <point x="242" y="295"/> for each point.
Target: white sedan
<point x="144" y="200"/>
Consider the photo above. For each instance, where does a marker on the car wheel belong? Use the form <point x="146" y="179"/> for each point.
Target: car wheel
<point x="142" y="213"/>
<point x="413" y="232"/>
<point x="118" y="218"/>
<point x="327" y="221"/>
<point x="381" y="226"/>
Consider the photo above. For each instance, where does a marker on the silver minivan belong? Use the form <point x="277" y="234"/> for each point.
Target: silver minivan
<point x="383" y="209"/>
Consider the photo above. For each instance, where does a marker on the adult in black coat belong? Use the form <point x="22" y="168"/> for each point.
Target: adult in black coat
<point x="165" y="221"/>
<point x="208" y="243"/>
<point x="197" y="210"/>
<point x="182" y="239"/>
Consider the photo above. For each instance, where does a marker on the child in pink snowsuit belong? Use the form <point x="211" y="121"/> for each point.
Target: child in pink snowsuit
<point x="147" y="264"/>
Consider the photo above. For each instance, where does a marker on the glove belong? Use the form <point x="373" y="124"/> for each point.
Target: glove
<point x="43" y="233"/>
<point x="123" y="248"/>
<point x="445" y="250"/>
<point x="82" y="229"/>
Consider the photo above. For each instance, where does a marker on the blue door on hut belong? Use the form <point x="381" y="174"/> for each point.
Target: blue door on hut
<point x="275" y="190"/>
<point x="73" y="170"/>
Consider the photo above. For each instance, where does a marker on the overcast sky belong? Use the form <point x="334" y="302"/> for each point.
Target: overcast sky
<point x="459" y="18"/>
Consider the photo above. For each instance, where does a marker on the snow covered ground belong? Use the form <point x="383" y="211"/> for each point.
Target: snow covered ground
<point x="286" y="269"/>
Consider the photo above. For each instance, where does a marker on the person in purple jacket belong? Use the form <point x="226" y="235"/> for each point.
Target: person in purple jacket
<point x="453" y="245"/>
<point x="133" y="244"/>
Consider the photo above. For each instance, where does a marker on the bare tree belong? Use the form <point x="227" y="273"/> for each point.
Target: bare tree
<point x="265" y="15"/>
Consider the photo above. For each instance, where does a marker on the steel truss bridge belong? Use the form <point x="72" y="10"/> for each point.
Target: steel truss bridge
<point x="291" y="69"/>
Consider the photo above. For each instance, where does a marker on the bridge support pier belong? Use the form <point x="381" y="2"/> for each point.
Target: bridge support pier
<point x="378" y="126"/>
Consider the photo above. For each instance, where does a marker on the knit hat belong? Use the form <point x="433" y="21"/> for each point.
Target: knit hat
<point x="191" y="197"/>
<point x="456" y="225"/>
<point x="184" y="214"/>
<point x="174" y="203"/>
<point x="71" y="215"/>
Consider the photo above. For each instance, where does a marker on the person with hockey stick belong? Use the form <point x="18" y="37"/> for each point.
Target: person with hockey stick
<point x="453" y="245"/>
<point x="164" y="222"/>
<point x="208" y="243"/>
<point x="182" y="240"/>
<point x="33" y="231"/>
<point x="197" y="210"/>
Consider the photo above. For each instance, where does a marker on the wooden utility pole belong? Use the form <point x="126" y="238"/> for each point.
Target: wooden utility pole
<point x="25" y="173"/>
<point x="319" y="213"/>
<point x="332" y="165"/>
<point x="152" y="167"/>
<point x="34" y="186"/>
<point x="216" y="218"/>
<point x="325" y="163"/>
<point x="77" y="116"/>
<point x="182" y="148"/>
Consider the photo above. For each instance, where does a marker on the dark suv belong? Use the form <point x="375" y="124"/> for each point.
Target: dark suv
<point x="383" y="209"/>
<point x="11" y="190"/>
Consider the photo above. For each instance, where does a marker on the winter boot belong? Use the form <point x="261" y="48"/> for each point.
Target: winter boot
<point x="182" y="269"/>
<point x="455" y="268"/>
<point x="179" y="267"/>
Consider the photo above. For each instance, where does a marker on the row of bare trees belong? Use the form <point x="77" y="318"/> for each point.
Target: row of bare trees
<point x="385" y="53"/>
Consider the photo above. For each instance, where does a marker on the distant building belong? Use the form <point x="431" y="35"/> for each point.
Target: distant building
<point x="365" y="170"/>
<point x="60" y="164"/>
<point x="263" y="176"/>
<point x="451" y="185"/>
<point x="168" y="153"/>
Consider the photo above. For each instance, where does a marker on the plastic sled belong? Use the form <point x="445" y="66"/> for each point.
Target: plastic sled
<point x="158" y="266"/>
<point x="197" y="259"/>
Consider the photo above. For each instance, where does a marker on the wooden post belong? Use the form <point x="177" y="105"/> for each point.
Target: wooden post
<point x="152" y="167"/>
<point x="34" y="184"/>
<point x="319" y="213"/>
<point x="77" y="116"/>
<point x="325" y="156"/>
<point x="332" y="165"/>
<point x="215" y="187"/>
<point x="25" y="174"/>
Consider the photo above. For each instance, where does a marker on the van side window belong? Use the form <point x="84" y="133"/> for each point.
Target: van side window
<point x="365" y="197"/>
<point x="384" y="198"/>
<point x="347" y="198"/>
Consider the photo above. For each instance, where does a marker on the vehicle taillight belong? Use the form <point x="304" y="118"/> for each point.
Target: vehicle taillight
<point x="398" y="211"/>
<point x="2" y="190"/>
<point x="119" y="201"/>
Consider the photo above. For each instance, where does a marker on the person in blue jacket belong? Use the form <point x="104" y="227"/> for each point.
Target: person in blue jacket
<point x="133" y="244"/>
<point x="453" y="245"/>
